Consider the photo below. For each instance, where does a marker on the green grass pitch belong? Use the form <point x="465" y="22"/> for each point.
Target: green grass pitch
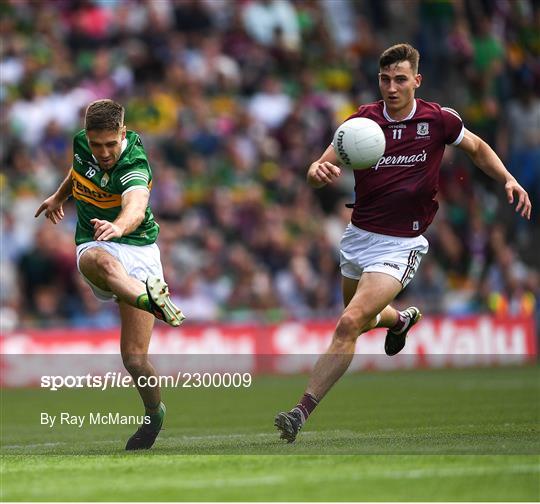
<point x="437" y="435"/>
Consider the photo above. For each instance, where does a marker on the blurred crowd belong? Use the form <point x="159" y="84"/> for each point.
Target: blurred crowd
<point x="233" y="100"/>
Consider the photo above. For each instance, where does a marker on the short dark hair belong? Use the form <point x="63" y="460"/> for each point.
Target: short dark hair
<point x="104" y="115"/>
<point x="398" y="53"/>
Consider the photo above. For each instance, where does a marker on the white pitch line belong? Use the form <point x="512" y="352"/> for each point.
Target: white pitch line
<point x="392" y="475"/>
<point x="34" y="445"/>
<point x="215" y="437"/>
<point x="446" y="472"/>
<point x="230" y="482"/>
<point x="225" y="437"/>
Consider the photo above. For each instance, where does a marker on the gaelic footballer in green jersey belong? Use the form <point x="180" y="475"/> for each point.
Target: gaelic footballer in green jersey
<point x="110" y="180"/>
<point x="98" y="192"/>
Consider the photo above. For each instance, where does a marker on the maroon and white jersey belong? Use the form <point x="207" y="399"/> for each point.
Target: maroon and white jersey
<point x="396" y="197"/>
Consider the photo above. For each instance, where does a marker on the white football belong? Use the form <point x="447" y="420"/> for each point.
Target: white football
<point x="359" y="143"/>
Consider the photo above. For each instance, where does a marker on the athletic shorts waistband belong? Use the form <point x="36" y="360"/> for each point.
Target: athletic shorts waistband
<point x="402" y="239"/>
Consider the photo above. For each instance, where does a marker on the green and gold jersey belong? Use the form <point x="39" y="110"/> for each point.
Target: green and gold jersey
<point x="98" y="193"/>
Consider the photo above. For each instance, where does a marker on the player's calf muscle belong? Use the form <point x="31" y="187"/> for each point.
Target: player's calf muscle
<point x="107" y="273"/>
<point x="370" y="325"/>
<point x="92" y="274"/>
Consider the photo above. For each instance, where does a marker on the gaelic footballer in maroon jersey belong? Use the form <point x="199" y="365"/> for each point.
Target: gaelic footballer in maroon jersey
<point x="397" y="196"/>
<point x="382" y="247"/>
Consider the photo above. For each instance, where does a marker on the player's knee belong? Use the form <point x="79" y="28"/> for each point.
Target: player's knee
<point x="134" y="363"/>
<point x="107" y="264"/>
<point x="352" y="324"/>
<point x="347" y="329"/>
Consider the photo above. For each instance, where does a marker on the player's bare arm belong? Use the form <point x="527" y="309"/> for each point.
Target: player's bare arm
<point x="53" y="205"/>
<point x="324" y="170"/>
<point x="134" y="205"/>
<point x="487" y="160"/>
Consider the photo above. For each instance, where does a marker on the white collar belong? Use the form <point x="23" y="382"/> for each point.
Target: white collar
<point x="410" y="116"/>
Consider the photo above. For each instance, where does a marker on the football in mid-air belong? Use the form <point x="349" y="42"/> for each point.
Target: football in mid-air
<point x="359" y="143"/>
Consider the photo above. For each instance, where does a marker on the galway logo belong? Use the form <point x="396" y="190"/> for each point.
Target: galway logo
<point x="422" y="129"/>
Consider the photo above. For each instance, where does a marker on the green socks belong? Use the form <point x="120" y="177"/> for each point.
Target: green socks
<point x="143" y="303"/>
<point x="156" y="419"/>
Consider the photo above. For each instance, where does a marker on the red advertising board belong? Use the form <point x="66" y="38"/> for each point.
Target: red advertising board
<point x="289" y="347"/>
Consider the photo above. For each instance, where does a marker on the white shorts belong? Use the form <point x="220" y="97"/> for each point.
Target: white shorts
<point x="140" y="261"/>
<point x="362" y="252"/>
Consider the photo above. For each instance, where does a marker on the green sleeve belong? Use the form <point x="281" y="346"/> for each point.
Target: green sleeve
<point x="136" y="175"/>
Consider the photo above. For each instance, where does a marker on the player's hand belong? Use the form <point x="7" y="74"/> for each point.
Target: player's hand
<point x="53" y="209"/>
<point x="105" y="230"/>
<point x="325" y="173"/>
<point x="524" y="203"/>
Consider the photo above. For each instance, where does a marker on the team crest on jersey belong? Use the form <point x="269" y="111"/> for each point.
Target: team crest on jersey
<point x="104" y="180"/>
<point x="422" y="129"/>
